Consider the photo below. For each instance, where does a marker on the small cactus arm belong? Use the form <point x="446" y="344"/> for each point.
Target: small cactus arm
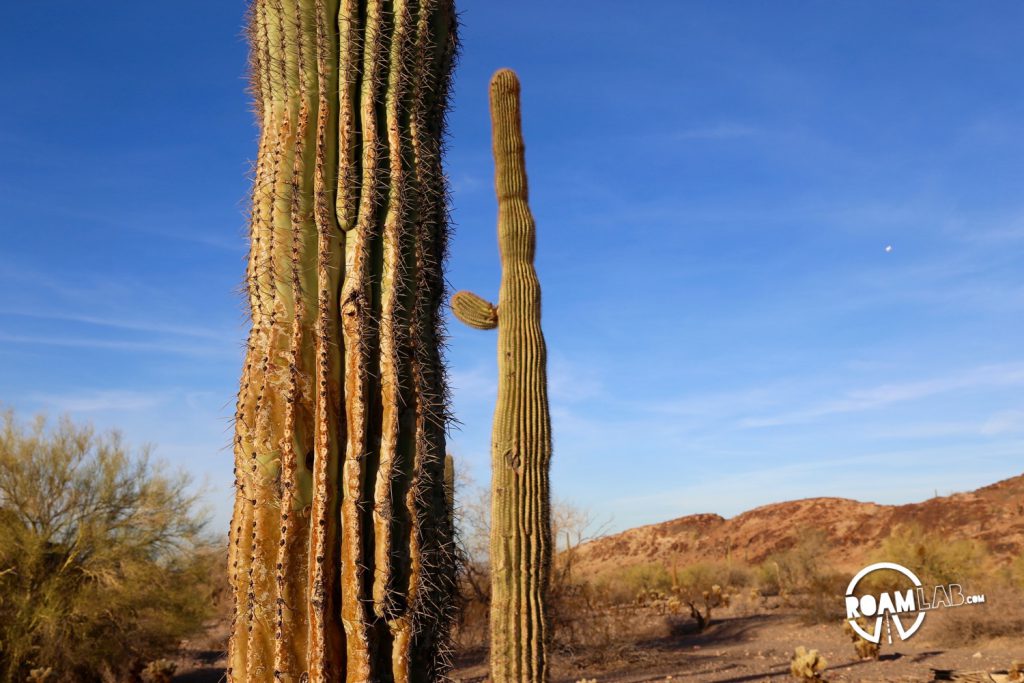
<point x="521" y="543"/>
<point x="341" y="554"/>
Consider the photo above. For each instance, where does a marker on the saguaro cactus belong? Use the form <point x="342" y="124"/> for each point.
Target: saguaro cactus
<point x="521" y="444"/>
<point x="340" y="555"/>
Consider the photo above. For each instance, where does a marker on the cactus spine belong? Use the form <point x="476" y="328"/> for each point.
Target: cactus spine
<point x="521" y="444"/>
<point x="340" y="550"/>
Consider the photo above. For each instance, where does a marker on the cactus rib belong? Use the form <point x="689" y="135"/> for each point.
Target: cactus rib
<point x="341" y="558"/>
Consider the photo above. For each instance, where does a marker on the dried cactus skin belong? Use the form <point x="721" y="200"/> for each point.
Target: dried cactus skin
<point x="341" y="553"/>
<point x="521" y="544"/>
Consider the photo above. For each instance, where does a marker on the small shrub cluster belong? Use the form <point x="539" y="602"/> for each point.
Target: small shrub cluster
<point x="801" y="577"/>
<point x="935" y="558"/>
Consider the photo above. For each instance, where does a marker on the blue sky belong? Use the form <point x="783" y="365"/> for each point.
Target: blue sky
<point x="714" y="185"/>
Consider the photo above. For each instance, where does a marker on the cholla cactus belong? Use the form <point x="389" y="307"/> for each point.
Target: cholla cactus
<point x="341" y="557"/>
<point x="647" y="597"/>
<point x="807" y="665"/>
<point x="865" y="648"/>
<point x="521" y="542"/>
<point x="159" y="671"/>
<point x="715" y="597"/>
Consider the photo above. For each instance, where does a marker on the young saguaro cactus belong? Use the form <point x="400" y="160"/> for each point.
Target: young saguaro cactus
<point x="341" y="559"/>
<point x="520" y="549"/>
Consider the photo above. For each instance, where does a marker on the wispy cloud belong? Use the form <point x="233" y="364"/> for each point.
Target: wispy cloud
<point x="884" y="395"/>
<point x="572" y="382"/>
<point x="117" y="345"/>
<point x="124" y="324"/>
<point x="1004" y="422"/>
<point x="228" y="241"/>
<point x="468" y="182"/>
<point x="474" y="383"/>
<point x="728" y="493"/>
<point x="720" y="404"/>
<point x="99" y="401"/>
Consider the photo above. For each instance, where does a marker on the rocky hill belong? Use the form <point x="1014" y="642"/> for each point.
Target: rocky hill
<point x="993" y="514"/>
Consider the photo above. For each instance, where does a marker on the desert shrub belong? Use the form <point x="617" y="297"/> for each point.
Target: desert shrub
<point x="822" y="602"/>
<point x="472" y="509"/>
<point x="935" y="558"/>
<point x="572" y="606"/>
<point x="802" y="577"/>
<point x="699" y="577"/>
<point x="1017" y="572"/>
<point x="797" y="569"/>
<point x="639" y="580"/>
<point x="102" y="563"/>
<point x="699" y="588"/>
<point x="738" y="576"/>
<point x="1000" y="616"/>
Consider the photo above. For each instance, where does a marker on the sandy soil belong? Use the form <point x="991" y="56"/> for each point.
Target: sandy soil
<point x="759" y="648"/>
<point x="734" y="649"/>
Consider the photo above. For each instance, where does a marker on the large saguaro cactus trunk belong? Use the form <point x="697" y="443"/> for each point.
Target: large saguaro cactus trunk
<point x="341" y="540"/>
<point x="520" y="549"/>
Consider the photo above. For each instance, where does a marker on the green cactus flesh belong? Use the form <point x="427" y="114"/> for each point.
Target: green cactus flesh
<point x="341" y="537"/>
<point x="521" y="543"/>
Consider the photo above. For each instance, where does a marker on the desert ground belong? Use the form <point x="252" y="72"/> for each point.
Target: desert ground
<point x="739" y="646"/>
<point x="784" y="566"/>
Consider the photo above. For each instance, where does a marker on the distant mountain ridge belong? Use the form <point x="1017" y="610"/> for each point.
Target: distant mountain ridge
<point x="993" y="514"/>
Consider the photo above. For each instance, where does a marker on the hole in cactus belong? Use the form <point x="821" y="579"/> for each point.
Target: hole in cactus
<point x="309" y="461"/>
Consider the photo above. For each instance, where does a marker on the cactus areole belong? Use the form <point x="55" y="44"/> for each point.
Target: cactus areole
<point x="520" y="548"/>
<point x="341" y="559"/>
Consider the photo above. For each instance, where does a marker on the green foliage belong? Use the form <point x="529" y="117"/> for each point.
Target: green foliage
<point x="699" y="588"/>
<point x="652" y="583"/>
<point x="801" y="576"/>
<point x="796" y="570"/>
<point x="935" y="559"/>
<point x="102" y="562"/>
<point x="638" y="579"/>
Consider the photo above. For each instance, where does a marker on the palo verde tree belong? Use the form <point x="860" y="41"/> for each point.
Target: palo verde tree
<point x="341" y="557"/>
<point x="520" y="546"/>
<point x="104" y="563"/>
